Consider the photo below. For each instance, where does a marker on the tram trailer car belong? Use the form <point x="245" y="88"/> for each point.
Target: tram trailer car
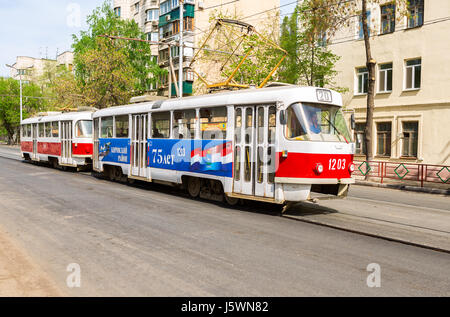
<point x="61" y="139"/>
<point x="272" y="144"/>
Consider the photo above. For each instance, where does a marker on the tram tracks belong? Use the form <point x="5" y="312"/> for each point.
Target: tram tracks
<point x="334" y="220"/>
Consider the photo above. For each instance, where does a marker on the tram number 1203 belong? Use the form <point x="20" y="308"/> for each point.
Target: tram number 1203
<point x="334" y="164"/>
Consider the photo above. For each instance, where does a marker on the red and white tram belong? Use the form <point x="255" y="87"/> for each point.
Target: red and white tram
<point x="63" y="139"/>
<point x="273" y="144"/>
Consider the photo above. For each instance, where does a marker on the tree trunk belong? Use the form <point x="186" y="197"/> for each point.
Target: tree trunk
<point x="370" y="63"/>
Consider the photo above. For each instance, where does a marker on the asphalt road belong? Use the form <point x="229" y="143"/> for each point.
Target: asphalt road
<point x="154" y="241"/>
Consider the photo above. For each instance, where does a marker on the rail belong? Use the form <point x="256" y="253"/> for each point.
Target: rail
<point x="422" y="173"/>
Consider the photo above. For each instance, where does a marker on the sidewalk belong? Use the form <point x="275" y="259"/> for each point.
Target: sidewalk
<point x="421" y="226"/>
<point x="429" y="190"/>
<point x="19" y="276"/>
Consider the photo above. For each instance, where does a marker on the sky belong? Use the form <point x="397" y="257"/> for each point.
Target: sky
<point x="41" y="28"/>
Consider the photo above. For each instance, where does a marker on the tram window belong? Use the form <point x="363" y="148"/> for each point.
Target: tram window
<point x="238" y="125"/>
<point x="213" y="123"/>
<point x="248" y="125"/>
<point x="271" y="164"/>
<point x="122" y="129"/>
<point x="260" y="125"/>
<point x="272" y="125"/>
<point x="237" y="163"/>
<point x="295" y="129"/>
<point x="55" y="129"/>
<point x="41" y="130"/>
<point x="248" y="165"/>
<point x="161" y="125"/>
<point x="48" y="129"/>
<point x="260" y="165"/>
<point x="184" y="124"/>
<point x="84" y="129"/>
<point x="28" y="130"/>
<point x="107" y="127"/>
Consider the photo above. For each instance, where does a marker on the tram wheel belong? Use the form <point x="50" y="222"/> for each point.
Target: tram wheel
<point x="232" y="201"/>
<point x="193" y="186"/>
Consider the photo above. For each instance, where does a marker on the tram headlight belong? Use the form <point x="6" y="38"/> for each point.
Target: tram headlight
<point x="318" y="169"/>
<point x="351" y="168"/>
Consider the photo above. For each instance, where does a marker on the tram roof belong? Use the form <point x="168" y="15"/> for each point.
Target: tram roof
<point x="285" y="94"/>
<point x="65" y="116"/>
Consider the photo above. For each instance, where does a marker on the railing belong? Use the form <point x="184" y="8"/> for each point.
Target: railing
<point x="422" y="173"/>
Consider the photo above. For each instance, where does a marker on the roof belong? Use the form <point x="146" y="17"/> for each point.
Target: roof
<point x="67" y="116"/>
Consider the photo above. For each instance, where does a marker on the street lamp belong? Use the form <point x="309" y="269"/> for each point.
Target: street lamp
<point x="20" y="80"/>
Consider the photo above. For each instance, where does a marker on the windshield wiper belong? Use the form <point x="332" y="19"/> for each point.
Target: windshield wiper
<point x="334" y="127"/>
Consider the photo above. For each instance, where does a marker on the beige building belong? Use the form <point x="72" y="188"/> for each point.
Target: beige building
<point x="412" y="101"/>
<point x="32" y="69"/>
<point x="160" y="20"/>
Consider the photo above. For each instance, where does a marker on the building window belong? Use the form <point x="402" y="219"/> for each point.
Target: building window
<point x="384" y="139"/>
<point x="410" y="138"/>
<point x="188" y="24"/>
<point x="387" y="18"/>
<point x="363" y="80"/>
<point x="415" y="13"/>
<point x="152" y="15"/>
<point x="175" y="51"/>
<point x="136" y="7"/>
<point x="152" y="36"/>
<point x="175" y="4"/>
<point x="164" y="7"/>
<point x="413" y="73"/>
<point x="117" y="11"/>
<point x="361" y="31"/>
<point x="359" y="138"/>
<point x="385" y="74"/>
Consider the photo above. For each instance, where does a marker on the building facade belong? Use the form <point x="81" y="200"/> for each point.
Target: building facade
<point x="412" y="95"/>
<point x="196" y="22"/>
<point x="31" y="69"/>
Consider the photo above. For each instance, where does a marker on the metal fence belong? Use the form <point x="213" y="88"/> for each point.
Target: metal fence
<point x="422" y="173"/>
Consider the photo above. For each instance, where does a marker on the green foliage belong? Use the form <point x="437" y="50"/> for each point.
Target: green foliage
<point x="10" y="105"/>
<point x="304" y="37"/>
<point x="103" y="21"/>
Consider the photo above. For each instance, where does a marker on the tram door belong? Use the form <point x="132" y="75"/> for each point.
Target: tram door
<point x="66" y="142"/>
<point x="254" y="153"/>
<point x="34" y="132"/>
<point x="95" y="158"/>
<point x="139" y="145"/>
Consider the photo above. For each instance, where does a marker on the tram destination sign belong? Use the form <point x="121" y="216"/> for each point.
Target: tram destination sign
<point x="324" y="95"/>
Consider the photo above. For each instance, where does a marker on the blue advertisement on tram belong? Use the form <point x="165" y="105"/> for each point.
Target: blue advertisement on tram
<point x="213" y="157"/>
<point x="114" y="150"/>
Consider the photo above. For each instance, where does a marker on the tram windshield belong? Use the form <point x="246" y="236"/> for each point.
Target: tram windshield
<point x="315" y="122"/>
<point x="83" y="129"/>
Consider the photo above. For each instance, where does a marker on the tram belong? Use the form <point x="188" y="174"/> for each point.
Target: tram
<point x="61" y="139"/>
<point x="275" y="144"/>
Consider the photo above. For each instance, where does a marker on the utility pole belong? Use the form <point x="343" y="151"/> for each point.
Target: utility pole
<point x="19" y="71"/>
<point x="180" y="66"/>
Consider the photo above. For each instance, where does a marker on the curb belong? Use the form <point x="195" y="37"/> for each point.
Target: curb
<point x="437" y="191"/>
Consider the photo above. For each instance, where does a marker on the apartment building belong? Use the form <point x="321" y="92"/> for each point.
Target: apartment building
<point x="166" y="31"/>
<point x="412" y="97"/>
<point x="31" y="69"/>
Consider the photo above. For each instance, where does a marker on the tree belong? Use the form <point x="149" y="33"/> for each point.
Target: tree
<point x="136" y="55"/>
<point x="336" y="15"/>
<point x="309" y="62"/>
<point x="10" y="105"/>
<point x="111" y="78"/>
